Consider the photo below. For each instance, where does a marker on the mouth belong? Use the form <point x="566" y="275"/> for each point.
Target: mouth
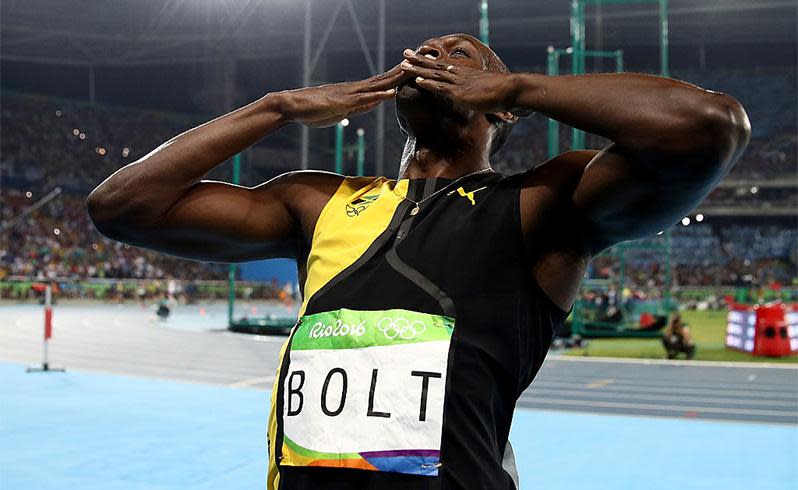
<point x="409" y="89"/>
<point x="411" y="83"/>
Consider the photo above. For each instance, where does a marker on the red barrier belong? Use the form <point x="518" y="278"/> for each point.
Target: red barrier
<point x="763" y="330"/>
<point x="48" y="323"/>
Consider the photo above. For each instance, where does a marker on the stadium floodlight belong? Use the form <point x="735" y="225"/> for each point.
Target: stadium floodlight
<point x="685" y="221"/>
<point x="754" y="189"/>
<point x="339" y="145"/>
<point x="361" y="151"/>
<point x="699" y="217"/>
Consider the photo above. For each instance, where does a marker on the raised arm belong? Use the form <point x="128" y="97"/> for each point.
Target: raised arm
<point x="161" y="202"/>
<point x="672" y="142"/>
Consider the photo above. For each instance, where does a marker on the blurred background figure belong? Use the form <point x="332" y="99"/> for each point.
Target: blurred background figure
<point x="162" y="309"/>
<point x="677" y="340"/>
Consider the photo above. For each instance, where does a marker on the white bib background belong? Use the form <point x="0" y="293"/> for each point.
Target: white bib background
<point x="397" y="391"/>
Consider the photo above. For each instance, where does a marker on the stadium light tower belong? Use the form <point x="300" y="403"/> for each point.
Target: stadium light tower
<point x="484" y="26"/>
<point x="361" y="152"/>
<point x="339" y="145"/>
<point x="578" y="21"/>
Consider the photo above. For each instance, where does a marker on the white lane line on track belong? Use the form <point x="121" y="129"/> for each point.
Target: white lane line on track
<point x="665" y="362"/>
<point x="638" y="388"/>
<point x="252" y="382"/>
<point x="700" y="377"/>
<point x="782" y="388"/>
<point x="788" y="386"/>
<point x="636" y="396"/>
<point x="672" y="408"/>
<point x="655" y="416"/>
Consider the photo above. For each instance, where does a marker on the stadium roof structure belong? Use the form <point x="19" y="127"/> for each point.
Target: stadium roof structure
<point x="149" y="32"/>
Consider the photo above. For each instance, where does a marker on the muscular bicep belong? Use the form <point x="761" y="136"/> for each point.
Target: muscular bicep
<point x="219" y="222"/>
<point x="620" y="198"/>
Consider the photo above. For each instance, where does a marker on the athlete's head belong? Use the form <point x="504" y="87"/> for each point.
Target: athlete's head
<point x="420" y="111"/>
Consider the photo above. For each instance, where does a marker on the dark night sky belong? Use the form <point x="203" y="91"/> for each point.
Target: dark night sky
<point x="170" y="87"/>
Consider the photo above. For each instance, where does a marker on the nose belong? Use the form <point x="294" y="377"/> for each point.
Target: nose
<point x="429" y="49"/>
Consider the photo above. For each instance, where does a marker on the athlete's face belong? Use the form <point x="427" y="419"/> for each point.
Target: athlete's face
<point x="417" y="108"/>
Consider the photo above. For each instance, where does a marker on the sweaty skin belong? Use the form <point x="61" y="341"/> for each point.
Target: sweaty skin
<point x="671" y="144"/>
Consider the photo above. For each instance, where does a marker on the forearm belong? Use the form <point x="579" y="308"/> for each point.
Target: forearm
<point x="640" y="113"/>
<point x="145" y="189"/>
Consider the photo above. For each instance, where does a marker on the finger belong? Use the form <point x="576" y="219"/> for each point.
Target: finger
<point x="430" y="73"/>
<point x="426" y="60"/>
<point x="367" y="98"/>
<point x="389" y="79"/>
<point x="433" y="85"/>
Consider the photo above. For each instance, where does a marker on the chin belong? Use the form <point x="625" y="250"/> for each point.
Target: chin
<point x="410" y="91"/>
<point x="417" y="108"/>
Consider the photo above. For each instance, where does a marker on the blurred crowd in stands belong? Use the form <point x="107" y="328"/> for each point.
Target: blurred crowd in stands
<point x="769" y="97"/>
<point x="47" y="142"/>
<point x="58" y="240"/>
<point x="705" y="254"/>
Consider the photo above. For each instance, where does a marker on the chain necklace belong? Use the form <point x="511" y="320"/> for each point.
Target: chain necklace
<point x="417" y="207"/>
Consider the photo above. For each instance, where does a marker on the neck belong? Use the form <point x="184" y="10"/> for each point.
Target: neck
<point x="421" y="160"/>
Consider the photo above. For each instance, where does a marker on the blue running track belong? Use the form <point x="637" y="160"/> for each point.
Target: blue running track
<point x="84" y="431"/>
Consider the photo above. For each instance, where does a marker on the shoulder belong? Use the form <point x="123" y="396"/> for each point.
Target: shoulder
<point x="323" y="183"/>
<point x="303" y="194"/>
<point x="563" y="169"/>
<point x="316" y="181"/>
<point x="302" y="190"/>
<point x="549" y="186"/>
<point x="546" y="190"/>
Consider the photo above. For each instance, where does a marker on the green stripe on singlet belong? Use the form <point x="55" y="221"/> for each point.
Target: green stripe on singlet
<point x="354" y="329"/>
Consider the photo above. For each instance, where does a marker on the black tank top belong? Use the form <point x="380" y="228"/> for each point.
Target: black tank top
<point x="419" y="331"/>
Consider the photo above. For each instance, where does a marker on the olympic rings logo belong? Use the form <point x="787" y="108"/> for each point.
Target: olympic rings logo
<point x="401" y="327"/>
<point x="337" y="329"/>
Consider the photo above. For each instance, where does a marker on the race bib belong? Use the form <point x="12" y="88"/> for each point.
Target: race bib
<point x="365" y="389"/>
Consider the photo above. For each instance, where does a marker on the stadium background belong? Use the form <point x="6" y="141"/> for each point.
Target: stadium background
<point x="87" y="87"/>
<point x="130" y="76"/>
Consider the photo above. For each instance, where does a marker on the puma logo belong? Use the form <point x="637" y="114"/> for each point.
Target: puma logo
<point x="470" y="194"/>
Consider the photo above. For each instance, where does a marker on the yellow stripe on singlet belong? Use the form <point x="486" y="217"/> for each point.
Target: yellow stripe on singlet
<point x="339" y="239"/>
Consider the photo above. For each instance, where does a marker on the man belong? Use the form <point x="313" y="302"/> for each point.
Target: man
<point x="429" y="301"/>
<point x="676" y="339"/>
